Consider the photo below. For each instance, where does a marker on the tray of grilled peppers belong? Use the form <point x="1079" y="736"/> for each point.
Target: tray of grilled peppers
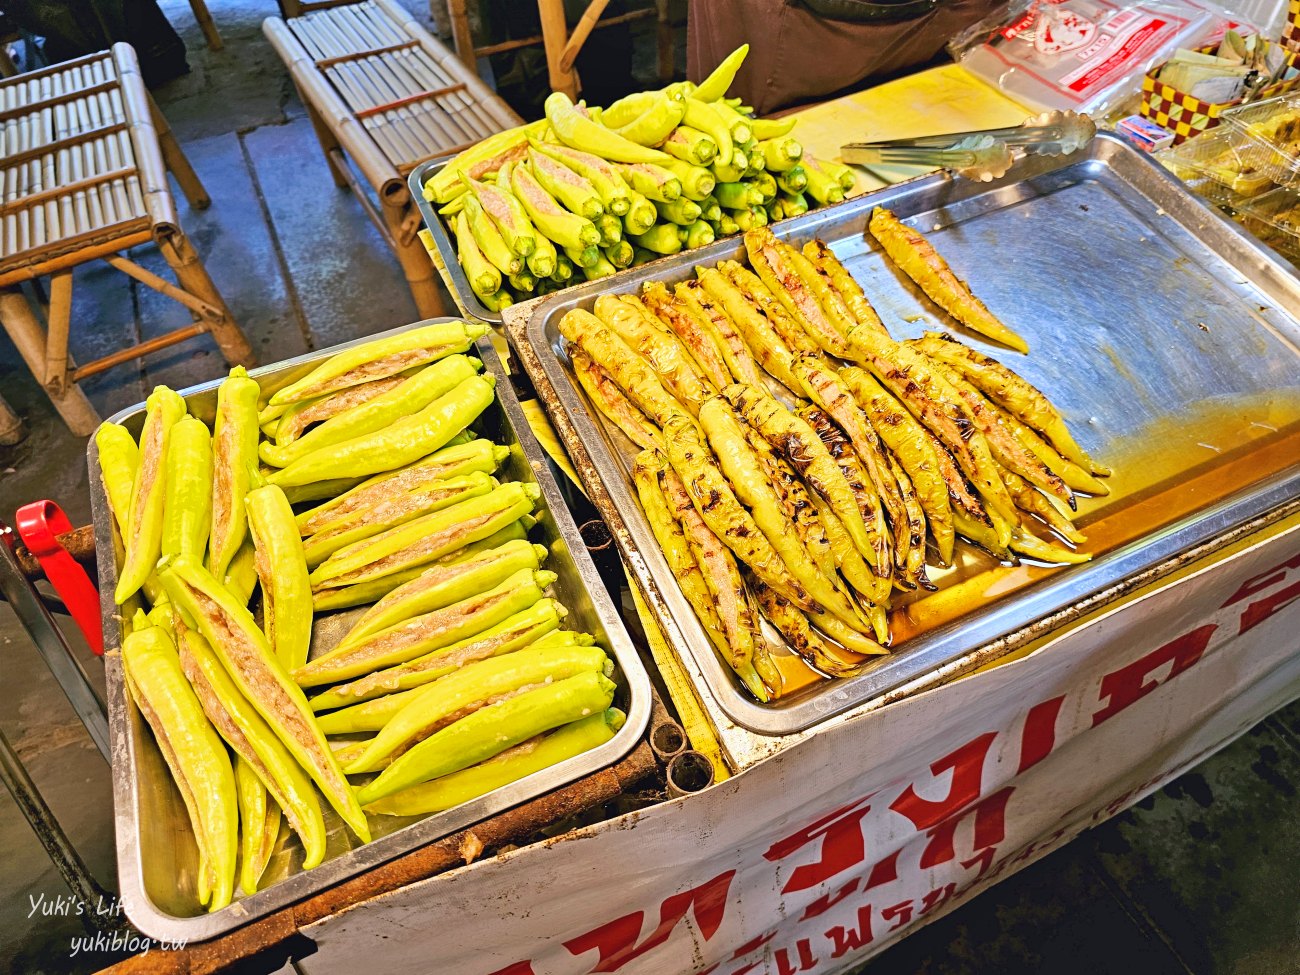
<point x="855" y="454"/>
<point x="348" y="614"/>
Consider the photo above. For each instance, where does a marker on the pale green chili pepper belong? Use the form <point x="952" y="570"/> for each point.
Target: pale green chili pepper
<point x="430" y="631"/>
<point x="234" y="466"/>
<point x="119" y="458"/>
<point x="491" y="730"/>
<point x="259" y="826"/>
<point x="478" y="685"/>
<point x="187" y="505"/>
<point x="242" y="647"/>
<point x="282" y="571"/>
<point x="252" y="739"/>
<point x="241" y="574"/>
<point x="367" y="592"/>
<point x="716" y="84"/>
<point x="406" y="440"/>
<point x="198" y="760"/>
<point x="441" y="585"/>
<point x="303" y="414"/>
<point x="534" y="628"/>
<point x="143" y="538"/>
<point x="428" y="537"/>
<point x="409" y="397"/>
<point x="383" y="357"/>
<point x="533" y="755"/>
<point x="395" y="508"/>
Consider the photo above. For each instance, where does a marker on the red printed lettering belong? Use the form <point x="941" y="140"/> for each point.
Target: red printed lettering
<point x="902" y="911"/>
<point x="1130" y="684"/>
<point x="616" y="943"/>
<point x="844" y="940"/>
<point x="885" y="871"/>
<point x="824" y="903"/>
<point x="990" y="830"/>
<point x="1038" y="737"/>
<point x="518" y="968"/>
<point x="842" y="846"/>
<point x="1257" y="584"/>
<point x="967" y="767"/>
<point x="805" y="962"/>
<point x="1260" y="610"/>
<point x="936" y="898"/>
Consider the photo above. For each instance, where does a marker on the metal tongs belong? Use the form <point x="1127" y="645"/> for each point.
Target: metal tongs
<point x="982" y="155"/>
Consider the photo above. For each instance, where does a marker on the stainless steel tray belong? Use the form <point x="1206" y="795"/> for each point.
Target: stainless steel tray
<point x="156" y="854"/>
<point x="442" y="239"/>
<point x="1168" y="338"/>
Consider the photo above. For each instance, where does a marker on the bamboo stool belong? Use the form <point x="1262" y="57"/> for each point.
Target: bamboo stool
<point x="385" y="95"/>
<point x="206" y="24"/>
<point x="84" y="155"/>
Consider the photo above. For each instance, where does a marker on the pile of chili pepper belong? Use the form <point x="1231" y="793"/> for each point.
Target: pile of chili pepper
<point x="458" y="678"/>
<point x="799" y="464"/>
<point x="587" y="191"/>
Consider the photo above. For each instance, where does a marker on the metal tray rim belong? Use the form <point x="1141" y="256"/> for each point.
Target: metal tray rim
<point x="1049" y="599"/>
<point x="156" y="923"/>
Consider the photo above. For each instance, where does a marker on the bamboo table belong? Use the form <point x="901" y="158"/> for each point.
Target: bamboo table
<point x="84" y="155"/>
<point x="383" y="95"/>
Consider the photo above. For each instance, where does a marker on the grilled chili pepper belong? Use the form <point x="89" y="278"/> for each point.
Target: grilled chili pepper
<point x="119" y="458"/>
<point x="234" y="466"/>
<point x="393" y="509"/>
<point x="611" y="401"/>
<point x="787" y="329"/>
<point x="828" y="265"/>
<point x="426" y="538"/>
<point x="143" y="538"/>
<point x="259" y="826"/>
<point x="779" y="267"/>
<point x="752" y="326"/>
<point x="491" y="730"/>
<point x="356" y="656"/>
<point x="187" y="508"/>
<point x="632" y="373"/>
<point x="404" y="441"/>
<point x="477" y="685"/>
<point x="1029" y="500"/>
<point x="197" y="759"/>
<point x="305" y="413"/>
<point x="248" y="657"/>
<point x="411" y="396"/>
<point x="1026" y="543"/>
<point x="442" y="585"/>
<point x="576" y="130"/>
<point x="538" y="624"/>
<point x="533" y="755"/>
<point x="666" y="355"/>
<point x="383" y="357"/>
<point x="726" y="436"/>
<point x="801" y="637"/>
<point x="282" y="571"/>
<point x="681" y="314"/>
<point x="252" y="739"/>
<point x="613" y="191"/>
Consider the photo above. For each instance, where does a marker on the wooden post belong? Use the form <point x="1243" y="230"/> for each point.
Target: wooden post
<point x="177" y="162"/>
<point x="59" y="320"/>
<point x="193" y="277"/>
<point x="665" y="38"/>
<point x="416" y="264"/>
<point x="206" y="24"/>
<point x="554" y="37"/>
<point x="581" y="32"/>
<point x="28" y="335"/>
<point x="460" y="33"/>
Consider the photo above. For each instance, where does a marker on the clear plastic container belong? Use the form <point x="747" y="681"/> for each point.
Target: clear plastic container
<point x="1275" y="219"/>
<point x="1270" y="131"/>
<point x="1214" y="166"/>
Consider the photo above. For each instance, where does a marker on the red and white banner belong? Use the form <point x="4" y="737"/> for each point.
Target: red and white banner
<point x="826" y="853"/>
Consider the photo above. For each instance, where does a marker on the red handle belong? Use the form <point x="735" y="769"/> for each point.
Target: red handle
<point x="38" y="525"/>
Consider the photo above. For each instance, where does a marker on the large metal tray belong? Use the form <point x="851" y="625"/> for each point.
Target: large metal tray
<point x="1167" y="337"/>
<point x="156" y="854"/>
<point x="442" y="239"/>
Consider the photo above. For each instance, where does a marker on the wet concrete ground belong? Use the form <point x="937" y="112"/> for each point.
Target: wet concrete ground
<point x="1199" y="878"/>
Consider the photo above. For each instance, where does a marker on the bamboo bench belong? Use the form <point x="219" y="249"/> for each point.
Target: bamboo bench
<point x="84" y="155"/>
<point x="383" y="96"/>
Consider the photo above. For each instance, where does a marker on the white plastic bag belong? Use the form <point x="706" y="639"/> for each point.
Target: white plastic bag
<point x="1083" y="55"/>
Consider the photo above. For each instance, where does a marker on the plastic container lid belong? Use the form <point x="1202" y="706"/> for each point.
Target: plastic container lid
<point x="1214" y="166"/>
<point x="1271" y="136"/>
<point x="1275" y="219"/>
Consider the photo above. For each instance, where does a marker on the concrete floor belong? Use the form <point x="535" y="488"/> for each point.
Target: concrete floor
<point x="1200" y="878"/>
